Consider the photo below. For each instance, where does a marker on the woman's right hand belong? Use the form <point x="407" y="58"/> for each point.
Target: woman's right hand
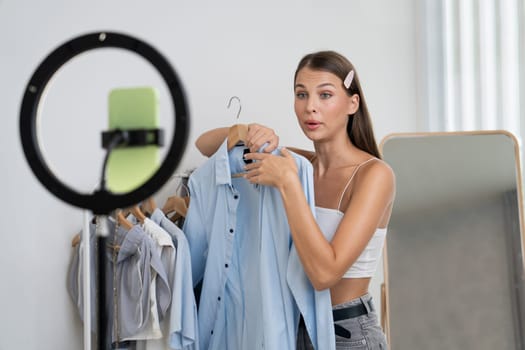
<point x="258" y="135"/>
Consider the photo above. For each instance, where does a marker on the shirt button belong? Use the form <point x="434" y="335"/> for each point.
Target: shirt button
<point x="211" y="332"/>
<point x="226" y="265"/>
<point x="236" y="197"/>
<point x="231" y="230"/>
<point x="219" y="298"/>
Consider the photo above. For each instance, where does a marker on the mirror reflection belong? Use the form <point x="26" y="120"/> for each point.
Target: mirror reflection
<point x="454" y="253"/>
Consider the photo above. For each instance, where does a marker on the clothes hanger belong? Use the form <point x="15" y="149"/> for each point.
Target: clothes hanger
<point x="122" y="221"/>
<point x="240" y="107"/>
<point x="178" y="205"/>
<point x="184" y="212"/>
<point x="76" y="240"/>
<point x="148" y="206"/>
<point x="237" y="133"/>
<point x="135" y="210"/>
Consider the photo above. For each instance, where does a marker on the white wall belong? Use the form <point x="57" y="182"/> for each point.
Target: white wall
<point x="219" y="49"/>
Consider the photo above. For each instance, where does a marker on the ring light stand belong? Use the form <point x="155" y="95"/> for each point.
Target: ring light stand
<point x="101" y="202"/>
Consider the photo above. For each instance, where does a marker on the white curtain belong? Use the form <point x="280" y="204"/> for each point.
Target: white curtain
<point x="472" y="65"/>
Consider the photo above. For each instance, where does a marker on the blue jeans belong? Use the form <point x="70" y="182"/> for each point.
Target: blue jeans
<point x="361" y="332"/>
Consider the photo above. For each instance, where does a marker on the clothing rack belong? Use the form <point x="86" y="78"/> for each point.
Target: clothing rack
<point x="87" y="284"/>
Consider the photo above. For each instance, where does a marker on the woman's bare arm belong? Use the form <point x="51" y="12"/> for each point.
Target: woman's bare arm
<point x="209" y="142"/>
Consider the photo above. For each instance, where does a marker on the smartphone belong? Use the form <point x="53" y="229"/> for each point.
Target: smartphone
<point x="132" y="108"/>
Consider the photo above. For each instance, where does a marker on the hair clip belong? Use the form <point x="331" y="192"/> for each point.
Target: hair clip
<point x="348" y="80"/>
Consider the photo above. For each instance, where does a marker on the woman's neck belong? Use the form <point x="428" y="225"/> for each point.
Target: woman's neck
<point x="334" y="154"/>
<point x="337" y="154"/>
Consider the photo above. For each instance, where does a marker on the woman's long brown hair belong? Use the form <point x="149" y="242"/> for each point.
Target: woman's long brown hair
<point x="359" y="126"/>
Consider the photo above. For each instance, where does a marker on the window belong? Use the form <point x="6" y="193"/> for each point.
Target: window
<point x="470" y="65"/>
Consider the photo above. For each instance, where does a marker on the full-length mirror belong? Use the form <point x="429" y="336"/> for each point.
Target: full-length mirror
<point x="454" y="266"/>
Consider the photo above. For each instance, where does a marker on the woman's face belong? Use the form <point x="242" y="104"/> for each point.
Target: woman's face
<point x="321" y="104"/>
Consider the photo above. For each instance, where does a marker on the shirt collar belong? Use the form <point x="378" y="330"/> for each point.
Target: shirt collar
<point x="230" y="162"/>
<point x="222" y="165"/>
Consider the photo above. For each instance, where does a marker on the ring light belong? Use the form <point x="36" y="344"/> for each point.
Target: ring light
<point x="100" y="202"/>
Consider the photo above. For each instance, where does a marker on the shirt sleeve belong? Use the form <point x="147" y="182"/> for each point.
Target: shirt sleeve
<point x="315" y="306"/>
<point x="195" y="232"/>
<point x="183" y="318"/>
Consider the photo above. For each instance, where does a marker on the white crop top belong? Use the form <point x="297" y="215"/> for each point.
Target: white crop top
<point x="328" y="221"/>
<point x="365" y="266"/>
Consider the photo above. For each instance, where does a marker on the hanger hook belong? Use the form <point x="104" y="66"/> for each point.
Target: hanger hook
<point x="240" y="107"/>
<point x="183" y="186"/>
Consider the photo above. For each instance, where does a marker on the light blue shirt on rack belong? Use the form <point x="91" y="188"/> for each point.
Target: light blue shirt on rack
<point x="183" y="326"/>
<point x="254" y="286"/>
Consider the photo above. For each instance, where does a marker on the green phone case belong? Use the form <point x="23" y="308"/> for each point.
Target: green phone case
<point x="132" y="108"/>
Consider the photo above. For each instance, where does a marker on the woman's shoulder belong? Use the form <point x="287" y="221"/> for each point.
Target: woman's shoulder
<point x="375" y="169"/>
<point x="379" y="163"/>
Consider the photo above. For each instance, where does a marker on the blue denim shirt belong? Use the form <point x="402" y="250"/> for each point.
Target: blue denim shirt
<point x="254" y="286"/>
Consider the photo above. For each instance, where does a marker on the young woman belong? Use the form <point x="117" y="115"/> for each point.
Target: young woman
<point x="354" y="192"/>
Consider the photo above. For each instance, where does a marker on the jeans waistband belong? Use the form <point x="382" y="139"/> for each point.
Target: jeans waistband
<point x="364" y="306"/>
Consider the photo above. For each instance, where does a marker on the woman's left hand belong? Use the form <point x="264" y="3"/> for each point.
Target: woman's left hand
<point x="269" y="169"/>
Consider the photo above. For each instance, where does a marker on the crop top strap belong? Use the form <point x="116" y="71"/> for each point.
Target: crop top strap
<point x="350" y="180"/>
